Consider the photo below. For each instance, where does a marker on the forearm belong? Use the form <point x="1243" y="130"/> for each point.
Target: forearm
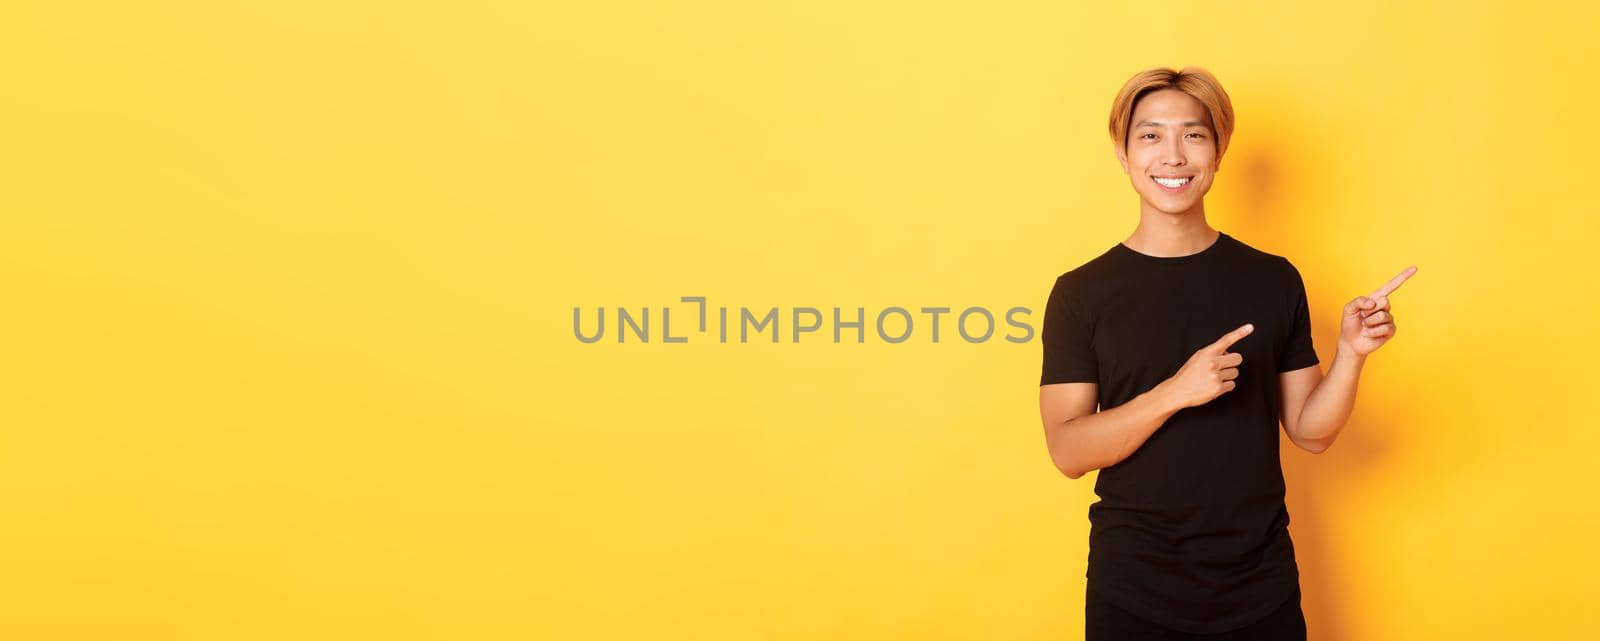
<point x="1329" y="405"/>
<point x="1104" y="438"/>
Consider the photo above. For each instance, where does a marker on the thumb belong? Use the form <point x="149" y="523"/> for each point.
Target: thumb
<point x="1232" y="337"/>
<point x="1358" y="305"/>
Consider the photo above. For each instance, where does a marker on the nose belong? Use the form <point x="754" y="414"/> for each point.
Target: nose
<point x="1172" y="152"/>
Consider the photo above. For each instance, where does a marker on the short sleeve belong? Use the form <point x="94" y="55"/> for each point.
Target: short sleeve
<point x="1067" y="337"/>
<point x="1298" y="351"/>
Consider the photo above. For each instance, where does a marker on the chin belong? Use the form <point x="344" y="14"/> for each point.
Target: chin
<point x="1175" y="209"/>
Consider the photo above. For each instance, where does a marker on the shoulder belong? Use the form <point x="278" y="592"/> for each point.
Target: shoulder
<point x="1095" y="270"/>
<point x="1080" y="287"/>
<point x="1278" y="265"/>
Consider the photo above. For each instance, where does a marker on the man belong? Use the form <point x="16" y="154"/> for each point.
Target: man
<point x="1194" y="346"/>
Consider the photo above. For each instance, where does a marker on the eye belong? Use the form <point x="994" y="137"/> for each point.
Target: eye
<point x="1198" y="136"/>
<point x="1146" y="136"/>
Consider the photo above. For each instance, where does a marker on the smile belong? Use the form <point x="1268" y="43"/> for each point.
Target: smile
<point x="1174" y="184"/>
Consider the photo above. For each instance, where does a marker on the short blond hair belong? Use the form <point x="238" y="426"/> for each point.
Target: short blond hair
<point x="1194" y="81"/>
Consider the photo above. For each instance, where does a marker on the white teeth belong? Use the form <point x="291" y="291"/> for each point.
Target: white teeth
<point x="1172" y="183"/>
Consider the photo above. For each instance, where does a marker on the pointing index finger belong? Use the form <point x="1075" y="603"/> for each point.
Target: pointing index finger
<point x="1394" y="283"/>
<point x="1228" y="339"/>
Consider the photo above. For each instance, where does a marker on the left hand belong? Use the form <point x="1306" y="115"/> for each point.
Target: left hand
<point x="1368" y="321"/>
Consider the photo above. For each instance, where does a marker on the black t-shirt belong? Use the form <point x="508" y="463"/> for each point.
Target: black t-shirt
<point x="1191" y="530"/>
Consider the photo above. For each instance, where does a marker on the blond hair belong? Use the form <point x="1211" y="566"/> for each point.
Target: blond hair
<point x="1194" y="81"/>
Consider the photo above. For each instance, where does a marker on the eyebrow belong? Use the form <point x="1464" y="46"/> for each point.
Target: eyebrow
<point x="1157" y="123"/>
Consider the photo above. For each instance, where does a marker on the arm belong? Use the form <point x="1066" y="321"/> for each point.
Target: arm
<point x="1315" y="407"/>
<point x="1080" y="439"/>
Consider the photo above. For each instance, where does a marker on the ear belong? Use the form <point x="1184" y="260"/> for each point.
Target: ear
<point x="1122" y="158"/>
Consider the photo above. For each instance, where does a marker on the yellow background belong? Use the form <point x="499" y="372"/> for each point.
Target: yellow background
<point x="288" y="294"/>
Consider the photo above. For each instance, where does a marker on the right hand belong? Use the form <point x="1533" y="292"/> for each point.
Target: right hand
<point x="1209" y="372"/>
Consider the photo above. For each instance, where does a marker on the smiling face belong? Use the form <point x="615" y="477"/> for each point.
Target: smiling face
<point x="1171" y="155"/>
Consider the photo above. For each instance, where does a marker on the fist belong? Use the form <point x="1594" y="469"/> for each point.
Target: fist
<point x="1208" y="373"/>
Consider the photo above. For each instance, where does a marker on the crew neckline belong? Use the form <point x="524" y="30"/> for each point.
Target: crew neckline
<point x="1208" y="250"/>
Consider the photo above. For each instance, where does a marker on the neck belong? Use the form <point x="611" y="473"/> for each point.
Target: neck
<point x="1163" y="234"/>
